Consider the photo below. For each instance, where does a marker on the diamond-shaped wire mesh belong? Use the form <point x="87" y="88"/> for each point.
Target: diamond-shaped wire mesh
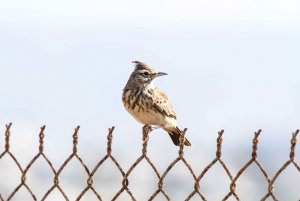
<point x="144" y="157"/>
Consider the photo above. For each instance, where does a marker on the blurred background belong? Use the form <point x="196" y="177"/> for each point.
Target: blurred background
<point x="231" y="65"/>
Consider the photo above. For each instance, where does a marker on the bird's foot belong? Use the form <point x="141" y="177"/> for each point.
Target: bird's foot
<point x="147" y="128"/>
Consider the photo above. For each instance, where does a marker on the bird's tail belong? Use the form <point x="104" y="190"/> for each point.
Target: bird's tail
<point x="175" y="136"/>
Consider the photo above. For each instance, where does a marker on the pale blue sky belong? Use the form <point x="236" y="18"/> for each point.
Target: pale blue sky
<point x="232" y="65"/>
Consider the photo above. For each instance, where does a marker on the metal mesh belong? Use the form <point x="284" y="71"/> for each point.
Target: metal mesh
<point x="232" y="193"/>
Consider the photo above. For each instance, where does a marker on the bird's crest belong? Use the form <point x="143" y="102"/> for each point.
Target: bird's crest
<point x="142" y="66"/>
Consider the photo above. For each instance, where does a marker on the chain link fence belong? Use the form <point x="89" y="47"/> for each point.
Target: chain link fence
<point x="231" y="195"/>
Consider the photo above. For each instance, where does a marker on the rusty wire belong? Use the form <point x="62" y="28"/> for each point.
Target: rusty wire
<point x="160" y="176"/>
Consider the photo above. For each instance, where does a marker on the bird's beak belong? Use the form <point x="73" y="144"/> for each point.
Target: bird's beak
<point x="160" y="74"/>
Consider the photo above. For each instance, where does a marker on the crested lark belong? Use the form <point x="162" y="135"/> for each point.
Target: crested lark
<point x="148" y="104"/>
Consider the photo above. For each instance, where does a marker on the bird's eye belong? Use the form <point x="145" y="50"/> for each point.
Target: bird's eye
<point x="145" y="73"/>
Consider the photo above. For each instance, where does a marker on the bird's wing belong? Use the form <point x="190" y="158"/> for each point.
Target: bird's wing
<point x="162" y="104"/>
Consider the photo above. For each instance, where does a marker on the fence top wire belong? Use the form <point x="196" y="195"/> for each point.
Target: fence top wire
<point x="270" y="192"/>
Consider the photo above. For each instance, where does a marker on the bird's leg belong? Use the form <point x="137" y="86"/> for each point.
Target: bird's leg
<point x="147" y="128"/>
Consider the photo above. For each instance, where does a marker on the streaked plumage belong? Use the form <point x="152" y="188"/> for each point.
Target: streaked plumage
<point x="148" y="104"/>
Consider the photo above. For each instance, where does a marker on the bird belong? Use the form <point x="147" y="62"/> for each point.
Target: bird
<point x="148" y="104"/>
